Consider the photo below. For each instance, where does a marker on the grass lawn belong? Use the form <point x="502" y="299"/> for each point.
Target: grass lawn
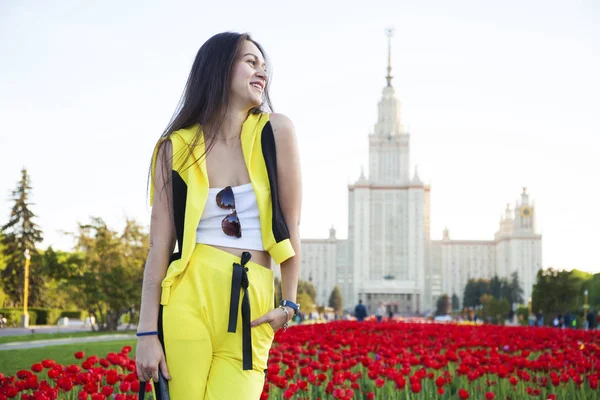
<point x="13" y="360"/>
<point x="57" y="335"/>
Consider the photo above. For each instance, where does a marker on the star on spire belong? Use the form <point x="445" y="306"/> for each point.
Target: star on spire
<point x="389" y="32"/>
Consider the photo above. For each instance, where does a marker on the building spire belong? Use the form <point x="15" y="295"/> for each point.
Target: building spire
<point x="389" y="32"/>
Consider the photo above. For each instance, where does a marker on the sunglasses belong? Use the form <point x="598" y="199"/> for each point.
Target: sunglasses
<point x="231" y="223"/>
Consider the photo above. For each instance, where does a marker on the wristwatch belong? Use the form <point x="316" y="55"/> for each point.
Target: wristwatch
<point x="292" y="305"/>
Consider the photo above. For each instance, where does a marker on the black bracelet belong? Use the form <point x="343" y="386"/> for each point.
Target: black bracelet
<point x="146" y="333"/>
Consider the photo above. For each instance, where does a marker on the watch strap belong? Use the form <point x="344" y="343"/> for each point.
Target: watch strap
<point x="292" y="305"/>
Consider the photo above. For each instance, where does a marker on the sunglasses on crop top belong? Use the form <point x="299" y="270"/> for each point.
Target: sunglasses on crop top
<point x="231" y="223"/>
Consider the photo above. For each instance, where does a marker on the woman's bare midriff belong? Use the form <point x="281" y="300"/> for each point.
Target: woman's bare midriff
<point x="262" y="258"/>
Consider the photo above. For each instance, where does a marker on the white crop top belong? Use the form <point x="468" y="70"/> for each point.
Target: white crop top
<point x="209" y="229"/>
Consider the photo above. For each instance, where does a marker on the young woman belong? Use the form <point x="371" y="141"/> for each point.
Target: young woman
<point x="225" y="191"/>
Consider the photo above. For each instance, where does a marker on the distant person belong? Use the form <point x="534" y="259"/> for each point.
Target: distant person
<point x="568" y="319"/>
<point x="539" y="318"/>
<point x="591" y="319"/>
<point x="360" y="311"/>
<point x="390" y="313"/>
<point x="561" y="321"/>
<point x="380" y="312"/>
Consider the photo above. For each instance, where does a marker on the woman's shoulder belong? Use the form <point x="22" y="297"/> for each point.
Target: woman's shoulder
<point x="281" y="121"/>
<point x="283" y="127"/>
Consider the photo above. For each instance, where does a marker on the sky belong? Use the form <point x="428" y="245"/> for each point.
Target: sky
<point x="497" y="96"/>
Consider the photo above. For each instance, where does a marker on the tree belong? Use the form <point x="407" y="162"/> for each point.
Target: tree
<point x="278" y="296"/>
<point x="58" y="267"/>
<point x="474" y="290"/>
<point x="593" y="286"/>
<point x="110" y="279"/>
<point x="497" y="286"/>
<point x="494" y="310"/>
<point x="308" y="288"/>
<point x="443" y="305"/>
<point x="455" y="302"/>
<point x="514" y="291"/>
<point x="335" y="299"/>
<point x="306" y="302"/>
<point x="20" y="233"/>
<point x="556" y="291"/>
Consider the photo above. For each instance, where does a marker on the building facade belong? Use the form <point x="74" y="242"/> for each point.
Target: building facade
<point x="389" y="256"/>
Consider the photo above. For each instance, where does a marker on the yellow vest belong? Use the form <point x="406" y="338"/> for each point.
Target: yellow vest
<point x="190" y="191"/>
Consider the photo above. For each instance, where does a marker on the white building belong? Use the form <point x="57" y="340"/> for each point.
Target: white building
<point x="389" y="257"/>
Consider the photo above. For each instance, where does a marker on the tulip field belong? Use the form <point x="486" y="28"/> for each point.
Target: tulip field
<point x="368" y="360"/>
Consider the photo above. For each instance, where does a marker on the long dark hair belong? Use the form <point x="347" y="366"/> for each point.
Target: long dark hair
<point x="205" y="97"/>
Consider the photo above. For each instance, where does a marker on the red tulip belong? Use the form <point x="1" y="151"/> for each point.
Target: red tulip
<point x="37" y="367"/>
<point x="108" y="390"/>
<point x="124" y="386"/>
<point x="79" y="355"/>
<point x="415" y="387"/>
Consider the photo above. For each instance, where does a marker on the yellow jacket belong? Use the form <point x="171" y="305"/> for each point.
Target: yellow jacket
<point x="190" y="191"/>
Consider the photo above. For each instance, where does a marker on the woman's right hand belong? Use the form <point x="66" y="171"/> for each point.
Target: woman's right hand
<point x="149" y="356"/>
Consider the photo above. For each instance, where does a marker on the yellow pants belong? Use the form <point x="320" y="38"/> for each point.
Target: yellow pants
<point x="212" y="353"/>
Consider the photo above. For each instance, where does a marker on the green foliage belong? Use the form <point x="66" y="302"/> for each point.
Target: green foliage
<point x="474" y="290"/>
<point x="308" y="288"/>
<point x="502" y="289"/>
<point x="455" y="302"/>
<point x="306" y="302"/>
<point x="278" y="298"/>
<point x="2" y="297"/>
<point x="496" y="287"/>
<point x="557" y="291"/>
<point x="522" y="315"/>
<point x="443" y="305"/>
<point x="335" y="299"/>
<point x="20" y="233"/>
<point x="494" y="310"/>
<point x="76" y="314"/>
<point x="109" y="279"/>
<point x="40" y="316"/>
<point x="593" y="287"/>
<point x="514" y="291"/>
<point x="15" y="360"/>
<point x="13" y="316"/>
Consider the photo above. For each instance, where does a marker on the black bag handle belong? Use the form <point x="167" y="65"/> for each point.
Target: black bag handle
<point x="162" y="391"/>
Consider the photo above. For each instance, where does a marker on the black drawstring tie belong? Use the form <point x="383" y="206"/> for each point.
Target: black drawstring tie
<point x="240" y="281"/>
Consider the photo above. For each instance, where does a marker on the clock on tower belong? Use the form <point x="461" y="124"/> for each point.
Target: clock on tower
<point x="526" y="211"/>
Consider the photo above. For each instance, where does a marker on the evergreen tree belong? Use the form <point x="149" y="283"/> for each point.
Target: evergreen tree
<point x="335" y="299"/>
<point x="20" y="233"/>
<point x="455" y="302"/>
<point x="474" y="290"/>
<point x="514" y="290"/>
<point x="497" y="286"/>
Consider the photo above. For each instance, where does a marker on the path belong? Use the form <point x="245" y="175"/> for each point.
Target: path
<point x="57" y="342"/>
